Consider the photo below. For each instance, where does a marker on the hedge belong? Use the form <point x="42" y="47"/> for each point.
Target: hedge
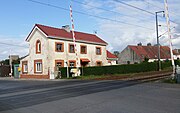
<point x="118" y="69"/>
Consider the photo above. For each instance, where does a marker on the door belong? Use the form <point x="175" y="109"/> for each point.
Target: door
<point x="16" y="72"/>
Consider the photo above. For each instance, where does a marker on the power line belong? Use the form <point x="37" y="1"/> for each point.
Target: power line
<point x="160" y="8"/>
<point x="75" y="1"/>
<point x="153" y="5"/>
<point x="134" y="7"/>
<point x="13" y="45"/>
<point x="139" y="9"/>
<point x="58" y="7"/>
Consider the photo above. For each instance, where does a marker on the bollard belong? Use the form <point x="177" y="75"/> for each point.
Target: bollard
<point x="178" y="74"/>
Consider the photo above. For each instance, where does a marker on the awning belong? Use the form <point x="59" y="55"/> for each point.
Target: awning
<point x="84" y="60"/>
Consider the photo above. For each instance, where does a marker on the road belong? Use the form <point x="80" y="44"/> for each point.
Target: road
<point x="77" y="96"/>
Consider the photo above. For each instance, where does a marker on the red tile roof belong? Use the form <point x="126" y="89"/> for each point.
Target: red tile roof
<point x="80" y="36"/>
<point x="151" y="51"/>
<point x="110" y="55"/>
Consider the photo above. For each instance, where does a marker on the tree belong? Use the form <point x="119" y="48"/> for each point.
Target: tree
<point x="116" y="53"/>
<point x="146" y="59"/>
<point x="5" y="62"/>
<point x="16" y="61"/>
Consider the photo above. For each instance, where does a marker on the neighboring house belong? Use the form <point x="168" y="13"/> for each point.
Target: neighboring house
<point x="176" y="53"/>
<point x="136" y="54"/>
<point x="112" y="59"/>
<point x="50" y="48"/>
<point x="11" y="59"/>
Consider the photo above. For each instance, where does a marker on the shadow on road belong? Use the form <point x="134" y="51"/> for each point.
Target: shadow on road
<point x="25" y="100"/>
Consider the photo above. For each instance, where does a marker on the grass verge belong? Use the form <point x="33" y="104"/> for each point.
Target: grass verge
<point x="122" y="76"/>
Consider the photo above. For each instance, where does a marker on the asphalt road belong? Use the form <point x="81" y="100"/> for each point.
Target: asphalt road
<point x="77" y="96"/>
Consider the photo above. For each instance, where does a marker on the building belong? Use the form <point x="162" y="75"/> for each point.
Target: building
<point x="176" y="53"/>
<point x="51" y="48"/>
<point x="136" y="54"/>
<point x="112" y="59"/>
<point x="11" y="59"/>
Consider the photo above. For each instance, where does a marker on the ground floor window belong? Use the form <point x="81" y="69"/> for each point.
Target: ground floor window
<point x="98" y="63"/>
<point x="38" y="66"/>
<point x="72" y="63"/>
<point x="59" y="64"/>
<point x="24" y="67"/>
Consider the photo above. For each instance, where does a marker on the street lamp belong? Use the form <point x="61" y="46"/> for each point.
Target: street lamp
<point x="159" y="61"/>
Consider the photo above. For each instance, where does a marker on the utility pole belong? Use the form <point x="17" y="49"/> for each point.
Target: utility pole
<point x="169" y="36"/>
<point x="159" y="59"/>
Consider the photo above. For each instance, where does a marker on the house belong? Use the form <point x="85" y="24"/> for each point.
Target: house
<point x="112" y="59"/>
<point x="136" y="54"/>
<point x="51" y="48"/>
<point x="176" y="53"/>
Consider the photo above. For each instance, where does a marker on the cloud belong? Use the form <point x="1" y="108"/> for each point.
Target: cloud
<point x="119" y="35"/>
<point x="12" y="46"/>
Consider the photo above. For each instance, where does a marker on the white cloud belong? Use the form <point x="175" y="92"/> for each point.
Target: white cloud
<point x="120" y="35"/>
<point x="12" y="46"/>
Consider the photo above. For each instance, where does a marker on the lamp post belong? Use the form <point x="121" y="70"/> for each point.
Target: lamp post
<point x="159" y="61"/>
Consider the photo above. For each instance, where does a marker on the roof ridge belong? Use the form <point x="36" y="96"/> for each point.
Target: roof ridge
<point x="63" y="29"/>
<point x="60" y="32"/>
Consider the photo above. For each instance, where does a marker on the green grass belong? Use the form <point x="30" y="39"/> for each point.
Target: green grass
<point x="90" y="77"/>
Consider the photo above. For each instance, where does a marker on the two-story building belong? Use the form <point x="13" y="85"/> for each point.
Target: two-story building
<point x="50" y="47"/>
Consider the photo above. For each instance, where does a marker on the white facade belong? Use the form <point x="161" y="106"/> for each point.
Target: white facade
<point x="49" y="55"/>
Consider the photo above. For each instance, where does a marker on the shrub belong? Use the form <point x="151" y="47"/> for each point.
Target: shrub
<point x="117" y="69"/>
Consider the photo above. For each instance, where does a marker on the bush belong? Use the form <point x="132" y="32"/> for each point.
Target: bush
<point x="117" y="69"/>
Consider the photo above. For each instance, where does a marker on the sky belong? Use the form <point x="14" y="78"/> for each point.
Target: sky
<point x="117" y="23"/>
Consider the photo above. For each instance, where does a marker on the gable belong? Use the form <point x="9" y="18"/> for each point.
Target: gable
<point x="33" y="31"/>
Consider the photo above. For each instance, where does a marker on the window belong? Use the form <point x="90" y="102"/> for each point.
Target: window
<point x="98" y="50"/>
<point x="38" y="47"/>
<point x="98" y="63"/>
<point x="71" y="48"/>
<point x="38" y="66"/>
<point x="58" y="64"/>
<point x="59" y="47"/>
<point x="24" y="67"/>
<point x="72" y="63"/>
<point x="83" y="49"/>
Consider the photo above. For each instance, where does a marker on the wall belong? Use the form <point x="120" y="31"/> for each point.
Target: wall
<point x="128" y="55"/>
<point x="66" y="56"/>
<point x="37" y="35"/>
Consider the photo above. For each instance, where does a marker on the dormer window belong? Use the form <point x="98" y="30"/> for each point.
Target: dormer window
<point x="38" y="47"/>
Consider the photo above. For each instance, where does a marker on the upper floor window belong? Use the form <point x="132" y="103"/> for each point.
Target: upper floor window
<point x="71" y="48"/>
<point x="59" y="47"/>
<point x="38" y="47"/>
<point x="98" y="50"/>
<point x="83" y="49"/>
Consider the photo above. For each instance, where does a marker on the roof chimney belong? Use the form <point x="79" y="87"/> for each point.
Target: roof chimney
<point x="139" y="44"/>
<point x="66" y="27"/>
